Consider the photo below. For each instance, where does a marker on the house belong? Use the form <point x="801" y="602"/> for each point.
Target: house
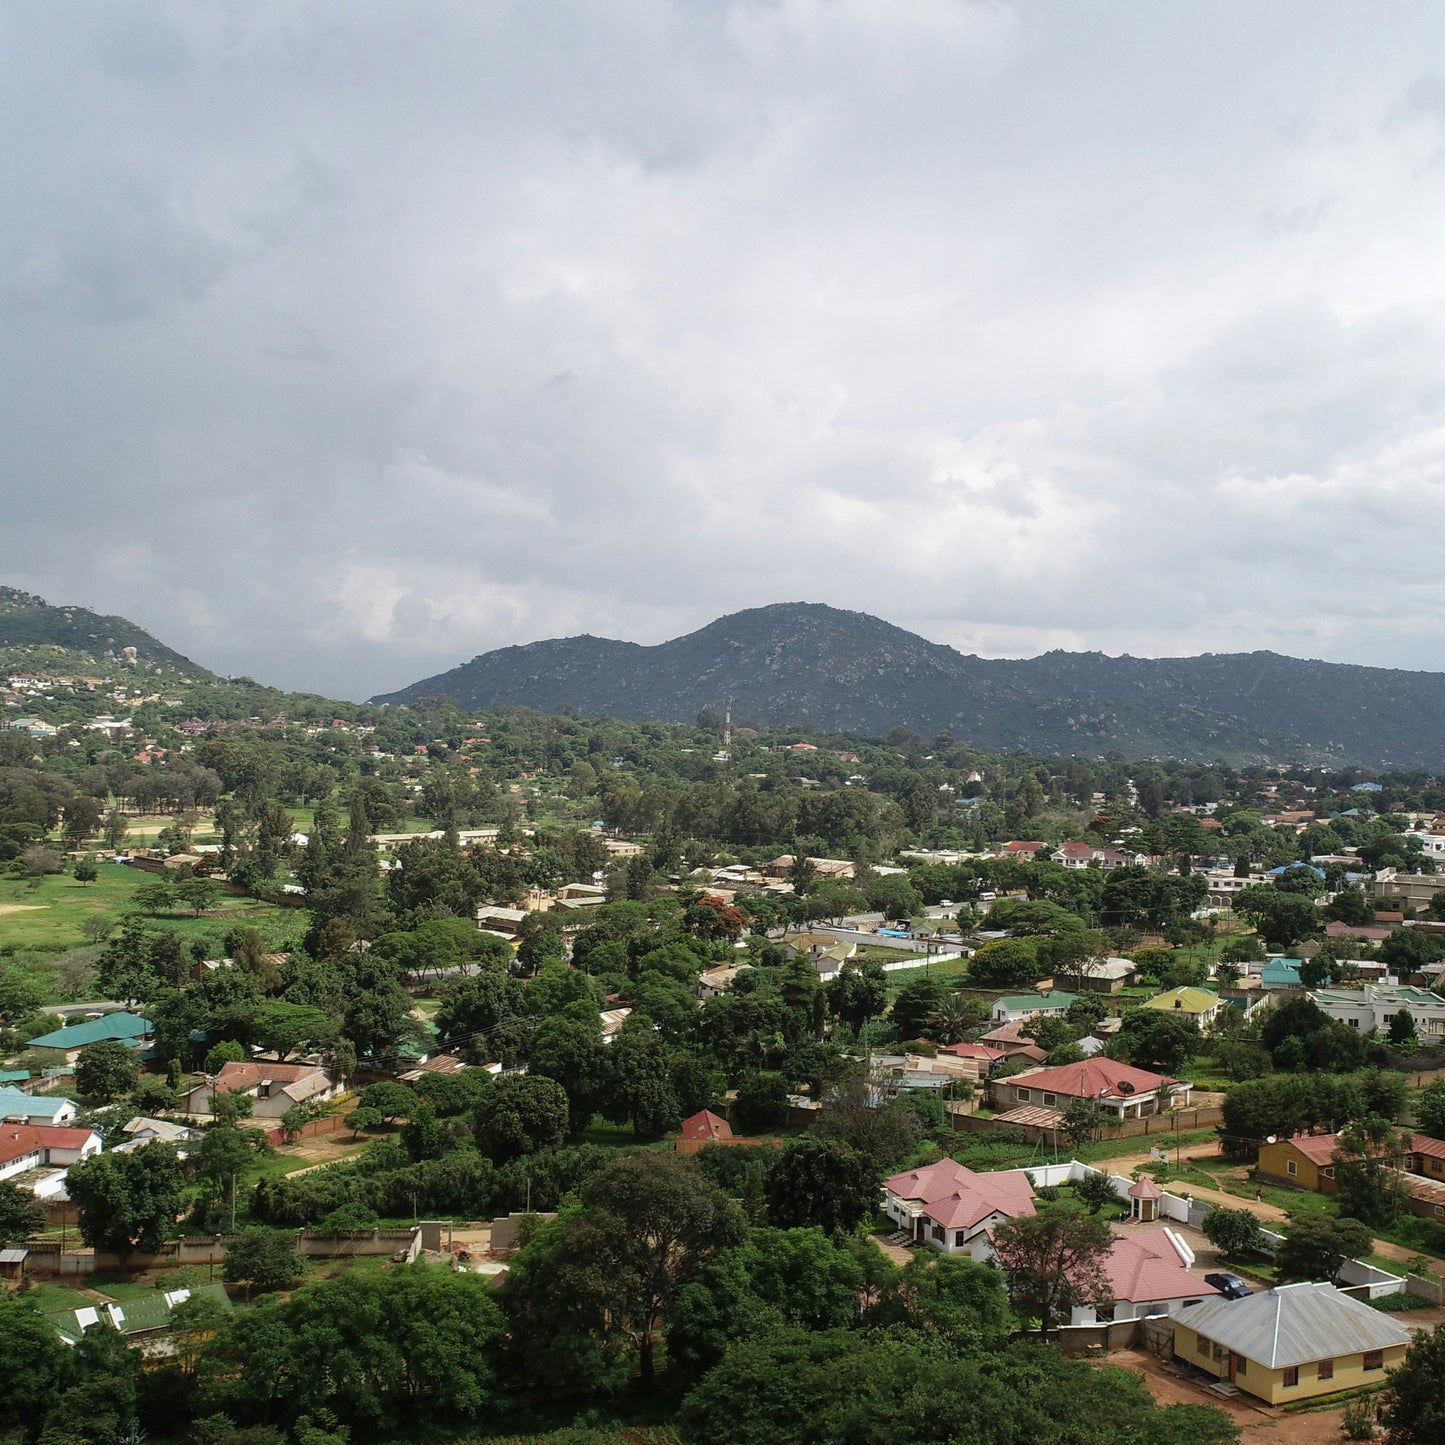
<point x="436" y="1064"/>
<point x="24" y="1147"/>
<point x="1018" y="1007"/>
<point x="145" y="1314"/>
<point x="1190" y="1003"/>
<point x="1087" y="855"/>
<point x="1280" y="973"/>
<point x="506" y="922"/>
<point x="709" y="1127"/>
<point x="1373" y="1006"/>
<point x="1148" y="1275"/>
<point x="142" y="1130"/>
<point x="954" y="1209"/>
<point x="1304" y="1160"/>
<point x="63" y="1044"/>
<point x="982" y="1057"/>
<point x="1106" y="975"/>
<point x="1290" y="1343"/>
<point x="1118" y="1089"/>
<point x="274" y="1088"/>
<point x="17" y="1107"/>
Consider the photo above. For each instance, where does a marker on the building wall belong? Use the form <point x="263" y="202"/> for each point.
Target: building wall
<point x="1269" y="1385"/>
<point x="1275" y="1159"/>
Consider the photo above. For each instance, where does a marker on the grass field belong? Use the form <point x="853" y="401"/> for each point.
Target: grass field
<point x="47" y="915"/>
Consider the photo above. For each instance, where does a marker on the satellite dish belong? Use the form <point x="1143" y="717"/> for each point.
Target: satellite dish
<point x="1125" y="1087"/>
<point x="1271" y="1139"/>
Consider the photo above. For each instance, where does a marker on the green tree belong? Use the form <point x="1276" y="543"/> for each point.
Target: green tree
<point x="858" y="994"/>
<point x="420" y="1136"/>
<point x="104" y="1071"/>
<point x="223" y="1156"/>
<point x="1413" y="1402"/>
<point x="359" y="1119"/>
<point x="1161" y="1041"/>
<point x="126" y="1201"/>
<point x="285" y="1027"/>
<point x="1005" y="963"/>
<point x="1316" y="1247"/>
<point x="595" y="1290"/>
<point x="390" y="1100"/>
<point x="915" y="1005"/>
<point x="518" y="1114"/>
<point x="85" y="870"/>
<point x="1234" y="1232"/>
<point x="762" y="1103"/>
<point x="1054" y="1260"/>
<point x="34" y="1366"/>
<point x="21" y="1214"/>
<point x="959" y="1301"/>
<point x="1430" y="1109"/>
<point x="1367" y="1161"/>
<point x="822" y="1183"/>
<point x="263" y="1259"/>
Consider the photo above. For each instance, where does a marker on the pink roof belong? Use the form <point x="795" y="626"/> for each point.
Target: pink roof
<point x="1096" y="1078"/>
<point x="971" y="1051"/>
<point x="1145" y="1189"/>
<point x="1139" y="1272"/>
<point x="957" y="1198"/>
<point x="1018" y="846"/>
<point x="1352" y="930"/>
<point x="1424" y="1144"/>
<point x="706" y="1125"/>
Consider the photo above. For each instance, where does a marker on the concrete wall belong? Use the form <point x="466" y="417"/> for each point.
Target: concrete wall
<point x="1153" y="1125"/>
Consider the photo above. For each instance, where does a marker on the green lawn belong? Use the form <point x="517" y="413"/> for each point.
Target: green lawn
<point x="48" y="915"/>
<point x="51" y="1297"/>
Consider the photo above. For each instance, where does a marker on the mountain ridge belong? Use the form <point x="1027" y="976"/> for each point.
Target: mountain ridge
<point x="808" y="664"/>
<point x="27" y="620"/>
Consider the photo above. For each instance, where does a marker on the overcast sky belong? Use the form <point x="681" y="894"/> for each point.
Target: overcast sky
<point x="341" y="342"/>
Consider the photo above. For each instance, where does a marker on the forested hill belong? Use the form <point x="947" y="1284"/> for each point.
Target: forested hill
<point x="30" y="621"/>
<point x="803" y="664"/>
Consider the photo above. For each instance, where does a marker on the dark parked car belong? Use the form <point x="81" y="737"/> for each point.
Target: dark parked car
<point x="1229" y="1285"/>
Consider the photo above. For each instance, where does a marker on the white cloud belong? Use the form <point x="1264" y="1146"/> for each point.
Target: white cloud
<point x="341" y="344"/>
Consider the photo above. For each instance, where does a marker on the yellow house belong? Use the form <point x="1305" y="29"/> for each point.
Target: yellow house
<point x="1198" y="1004"/>
<point x="1290" y="1343"/>
<point x="1306" y="1161"/>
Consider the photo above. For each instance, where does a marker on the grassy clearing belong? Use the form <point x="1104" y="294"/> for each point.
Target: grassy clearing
<point x="51" y="1297"/>
<point x="48" y="915"/>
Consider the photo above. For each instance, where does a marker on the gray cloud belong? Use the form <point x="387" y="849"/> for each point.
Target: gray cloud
<point x="341" y="343"/>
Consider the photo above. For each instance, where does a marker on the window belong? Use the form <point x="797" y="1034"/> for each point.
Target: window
<point x="1291" y="1167"/>
<point x="1104" y="1314"/>
<point x="1353" y="1023"/>
<point x="1291" y="1375"/>
<point x="1024" y="1095"/>
<point x="1203" y="1346"/>
<point x="1325" y="1369"/>
<point x="938" y="1231"/>
<point x="1051" y="1098"/>
<point x="1328" y="1172"/>
<point x="1374" y="1359"/>
<point x="1440" y="1209"/>
<point x="959" y="1236"/>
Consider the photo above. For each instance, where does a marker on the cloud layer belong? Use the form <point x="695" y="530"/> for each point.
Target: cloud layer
<point x="340" y="343"/>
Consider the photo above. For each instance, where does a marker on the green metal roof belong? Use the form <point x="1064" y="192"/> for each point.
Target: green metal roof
<point x="1184" y="1000"/>
<point x="1055" y="1000"/>
<point x="141" y="1315"/>
<point x="122" y="1025"/>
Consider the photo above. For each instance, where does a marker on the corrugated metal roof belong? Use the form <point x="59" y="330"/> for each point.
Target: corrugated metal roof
<point x="1294" y="1324"/>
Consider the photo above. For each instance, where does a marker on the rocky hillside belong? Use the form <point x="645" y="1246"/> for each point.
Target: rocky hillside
<point x="30" y="621"/>
<point x="809" y="665"/>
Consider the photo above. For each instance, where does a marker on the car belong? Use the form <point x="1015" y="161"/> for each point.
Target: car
<point x="1229" y="1285"/>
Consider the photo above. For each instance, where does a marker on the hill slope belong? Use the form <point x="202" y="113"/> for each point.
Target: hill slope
<point x="805" y="664"/>
<point x="30" y="621"/>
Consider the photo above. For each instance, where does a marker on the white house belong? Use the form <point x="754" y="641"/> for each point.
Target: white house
<point x="953" y="1209"/>
<point x="1372" y="1007"/>
<point x="274" y="1088"/>
<point x="18" y="1107"/>
<point x="1148" y="1275"/>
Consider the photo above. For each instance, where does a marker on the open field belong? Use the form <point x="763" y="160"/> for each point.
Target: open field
<point x="47" y="914"/>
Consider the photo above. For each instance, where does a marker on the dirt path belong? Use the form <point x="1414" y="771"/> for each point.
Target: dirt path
<point x="1268" y="1214"/>
<point x="23" y="907"/>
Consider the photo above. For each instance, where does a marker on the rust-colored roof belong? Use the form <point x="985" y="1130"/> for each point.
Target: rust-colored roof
<point x="1139" y="1272"/>
<point x="1145" y="1189"/>
<point x="1095" y="1078"/>
<point x="957" y="1198"/>
<point x="706" y="1125"/>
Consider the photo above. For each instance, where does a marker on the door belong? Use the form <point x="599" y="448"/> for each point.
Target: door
<point x="1233" y="1366"/>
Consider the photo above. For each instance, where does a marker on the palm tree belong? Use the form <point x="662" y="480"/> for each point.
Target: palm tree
<point x="952" y="1019"/>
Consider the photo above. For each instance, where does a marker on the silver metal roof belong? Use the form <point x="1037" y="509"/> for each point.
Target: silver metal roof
<point x="1294" y="1324"/>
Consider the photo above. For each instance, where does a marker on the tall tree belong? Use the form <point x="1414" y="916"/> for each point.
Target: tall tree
<point x="127" y="1201"/>
<point x="1054" y="1260"/>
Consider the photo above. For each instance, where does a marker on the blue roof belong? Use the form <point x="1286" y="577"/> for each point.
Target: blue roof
<point x="1289" y="868"/>
<point x="1281" y="971"/>
<point x="14" y="1076"/>
<point x="1368" y="788"/>
<point x="124" y="1026"/>
<point x="33" y="1106"/>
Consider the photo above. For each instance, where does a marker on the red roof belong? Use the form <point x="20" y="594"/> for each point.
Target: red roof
<point x="1140" y="1272"/>
<point x="17" y="1141"/>
<point x="1317" y="1148"/>
<point x="1022" y="847"/>
<point x="972" y="1051"/>
<point x="706" y="1125"/>
<point x="57" y="1136"/>
<point x="1096" y="1078"/>
<point x="1424" y="1144"/>
<point x="1145" y="1189"/>
<point x="957" y="1198"/>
